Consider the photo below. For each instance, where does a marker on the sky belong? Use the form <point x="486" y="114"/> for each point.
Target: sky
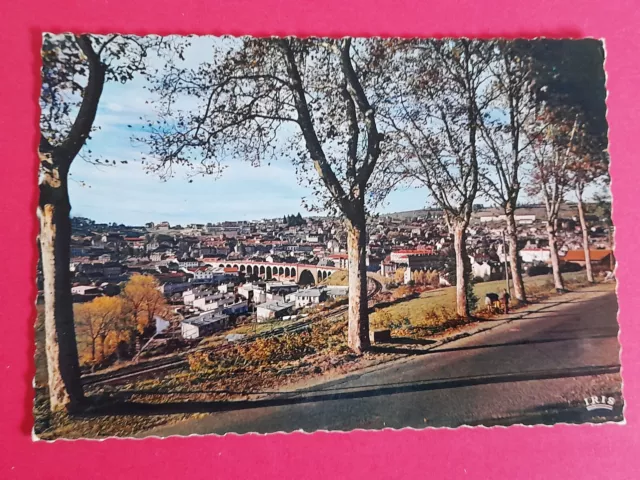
<point x="126" y="193"/>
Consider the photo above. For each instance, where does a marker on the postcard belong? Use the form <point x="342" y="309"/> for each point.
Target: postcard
<point x="243" y="234"/>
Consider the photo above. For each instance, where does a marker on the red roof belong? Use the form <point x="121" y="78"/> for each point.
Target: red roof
<point x="230" y="269"/>
<point x="578" y="255"/>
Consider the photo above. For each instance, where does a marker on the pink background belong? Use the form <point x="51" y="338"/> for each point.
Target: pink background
<point x="609" y="451"/>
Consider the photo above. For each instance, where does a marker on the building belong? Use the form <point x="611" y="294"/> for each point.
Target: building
<point x="202" y="273"/>
<point x="238" y="308"/>
<point x="310" y="296"/>
<point x="599" y="258"/>
<point x="273" y="310"/>
<point x="281" y="288"/>
<point x="525" y="219"/>
<point x="480" y="269"/>
<point x="340" y="260"/>
<point x="170" y="288"/>
<point x="192" y="294"/>
<point x="252" y="291"/>
<point x="412" y="260"/>
<point x="387" y="267"/>
<point x="336" y="291"/>
<point x="535" y="255"/>
<point x="215" y="301"/>
<point x="203" y="325"/>
<point x="188" y="263"/>
<point x="85" y="290"/>
<point x="161" y="324"/>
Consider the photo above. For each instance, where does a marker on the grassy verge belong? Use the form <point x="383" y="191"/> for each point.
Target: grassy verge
<point x="435" y="309"/>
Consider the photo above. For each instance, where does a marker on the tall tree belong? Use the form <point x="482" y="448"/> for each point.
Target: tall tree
<point x="435" y="118"/>
<point x="551" y="154"/>
<point x="504" y="132"/>
<point x="96" y="320"/>
<point x="590" y="164"/>
<point x="144" y="299"/>
<point x="570" y="80"/>
<point x="312" y="101"/>
<point x="68" y="113"/>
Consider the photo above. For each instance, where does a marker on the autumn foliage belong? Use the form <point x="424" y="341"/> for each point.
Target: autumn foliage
<point x="109" y="327"/>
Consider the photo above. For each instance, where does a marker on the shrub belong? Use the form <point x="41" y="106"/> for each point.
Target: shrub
<point x="402" y="291"/>
<point x="275" y="349"/>
<point x="324" y="335"/>
<point x="385" y="319"/>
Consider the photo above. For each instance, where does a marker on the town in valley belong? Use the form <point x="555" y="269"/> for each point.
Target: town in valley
<point x="265" y="235"/>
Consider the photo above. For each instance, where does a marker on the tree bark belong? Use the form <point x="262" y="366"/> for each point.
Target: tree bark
<point x="63" y="367"/>
<point x="553" y="251"/>
<point x="358" y="304"/>
<point x="462" y="268"/>
<point x="514" y="258"/>
<point x="65" y="388"/>
<point x="585" y="236"/>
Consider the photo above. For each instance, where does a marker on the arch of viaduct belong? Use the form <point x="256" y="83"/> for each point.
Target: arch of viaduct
<point x="282" y="271"/>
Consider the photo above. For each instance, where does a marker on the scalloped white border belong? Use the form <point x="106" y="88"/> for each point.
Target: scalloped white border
<point x="404" y="358"/>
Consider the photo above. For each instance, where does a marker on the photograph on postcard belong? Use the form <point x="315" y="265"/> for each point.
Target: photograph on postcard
<point x="243" y="234"/>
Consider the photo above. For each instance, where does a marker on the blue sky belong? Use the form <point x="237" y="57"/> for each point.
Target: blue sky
<point x="125" y="193"/>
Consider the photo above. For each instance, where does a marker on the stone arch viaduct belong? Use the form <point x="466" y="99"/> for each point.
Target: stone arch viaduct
<point x="298" y="272"/>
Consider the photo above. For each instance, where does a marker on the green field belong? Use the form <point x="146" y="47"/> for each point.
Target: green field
<point x="444" y="298"/>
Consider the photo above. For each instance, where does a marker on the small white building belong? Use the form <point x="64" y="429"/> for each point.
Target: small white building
<point x="226" y="288"/>
<point x="246" y="290"/>
<point x="335" y="291"/>
<point x="188" y="263"/>
<point x="272" y="310"/>
<point x="204" y="273"/>
<point x="252" y="291"/>
<point x="480" y="269"/>
<point x="161" y="324"/>
<point x="535" y="255"/>
<point x="237" y="308"/>
<point x="85" y="290"/>
<point x="203" y="325"/>
<point x="193" y="294"/>
<point x="310" y="296"/>
<point x="213" y="302"/>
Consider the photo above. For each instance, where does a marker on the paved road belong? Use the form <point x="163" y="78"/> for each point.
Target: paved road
<point x="537" y="369"/>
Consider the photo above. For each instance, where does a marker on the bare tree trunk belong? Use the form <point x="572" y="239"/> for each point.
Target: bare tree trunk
<point x="585" y="236"/>
<point x="102" y="350"/>
<point x="63" y="367"/>
<point x="462" y="266"/>
<point x="514" y="258"/>
<point x="555" y="260"/>
<point x="358" y="304"/>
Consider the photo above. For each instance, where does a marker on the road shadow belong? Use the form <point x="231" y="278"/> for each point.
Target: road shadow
<point x="411" y="341"/>
<point x="122" y="407"/>
<point x="519" y="342"/>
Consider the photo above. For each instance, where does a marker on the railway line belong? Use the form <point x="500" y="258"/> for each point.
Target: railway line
<point x="165" y="364"/>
